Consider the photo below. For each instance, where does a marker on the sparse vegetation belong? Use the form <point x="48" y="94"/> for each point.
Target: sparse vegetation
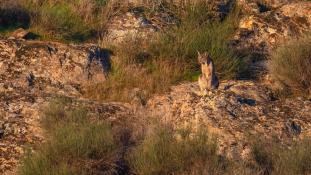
<point x="162" y="153"/>
<point x="73" y="21"/>
<point x="290" y="65"/>
<point x="77" y="144"/>
<point x="171" y="57"/>
<point x="74" y="144"/>
<point x="274" y="159"/>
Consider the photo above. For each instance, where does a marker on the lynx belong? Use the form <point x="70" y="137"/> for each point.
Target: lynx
<point x="208" y="79"/>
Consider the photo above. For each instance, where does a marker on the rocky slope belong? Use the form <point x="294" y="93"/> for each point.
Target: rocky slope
<point x="32" y="72"/>
<point x="269" y="24"/>
<point x="237" y="112"/>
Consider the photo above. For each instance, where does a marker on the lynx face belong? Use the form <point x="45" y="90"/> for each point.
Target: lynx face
<point x="203" y="58"/>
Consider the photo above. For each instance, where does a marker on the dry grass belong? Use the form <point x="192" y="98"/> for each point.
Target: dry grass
<point x="290" y="65"/>
<point x="67" y="21"/>
<point x="77" y="145"/>
<point x="162" y="153"/>
<point x="74" y="144"/>
<point x="272" y="158"/>
<point x="154" y="65"/>
<point x="134" y="68"/>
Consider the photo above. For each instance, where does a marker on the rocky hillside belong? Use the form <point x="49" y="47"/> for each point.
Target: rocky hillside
<point x="33" y="72"/>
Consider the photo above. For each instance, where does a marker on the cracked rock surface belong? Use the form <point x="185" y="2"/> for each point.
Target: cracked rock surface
<point x="31" y="73"/>
<point x="236" y="112"/>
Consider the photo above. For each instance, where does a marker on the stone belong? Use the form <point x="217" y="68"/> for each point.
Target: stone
<point x="247" y="101"/>
<point x="20" y="33"/>
<point x="261" y="32"/>
<point x="292" y="127"/>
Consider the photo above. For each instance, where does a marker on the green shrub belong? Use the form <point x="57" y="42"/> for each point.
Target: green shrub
<point x="67" y="20"/>
<point x="197" y="33"/>
<point x="162" y="153"/>
<point x="61" y="21"/>
<point x="296" y="160"/>
<point x="290" y="65"/>
<point x="274" y="159"/>
<point x="74" y="144"/>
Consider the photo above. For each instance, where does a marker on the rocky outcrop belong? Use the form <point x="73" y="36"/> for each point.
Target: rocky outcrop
<point x="129" y="25"/>
<point x="236" y="113"/>
<point x="32" y="73"/>
<point x="51" y="65"/>
<point x="266" y="27"/>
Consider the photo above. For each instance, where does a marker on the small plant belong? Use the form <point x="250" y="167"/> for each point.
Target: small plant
<point x="290" y="65"/>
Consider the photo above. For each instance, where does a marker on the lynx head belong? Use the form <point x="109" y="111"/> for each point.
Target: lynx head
<point x="204" y="58"/>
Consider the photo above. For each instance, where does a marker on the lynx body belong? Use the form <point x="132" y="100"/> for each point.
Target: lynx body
<point x="208" y="79"/>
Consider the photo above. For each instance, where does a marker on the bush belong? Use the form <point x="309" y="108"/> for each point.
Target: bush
<point x="201" y="33"/>
<point x="74" y="144"/>
<point x="290" y="65"/>
<point x="280" y="160"/>
<point x="162" y="153"/>
<point x="296" y="160"/>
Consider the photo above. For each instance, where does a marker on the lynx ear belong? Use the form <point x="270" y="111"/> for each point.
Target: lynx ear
<point x="198" y="53"/>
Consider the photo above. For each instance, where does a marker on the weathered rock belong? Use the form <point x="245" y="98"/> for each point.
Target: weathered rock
<point x="236" y="112"/>
<point x="19" y="33"/>
<point x="129" y="25"/>
<point x="261" y="32"/>
<point x="31" y="73"/>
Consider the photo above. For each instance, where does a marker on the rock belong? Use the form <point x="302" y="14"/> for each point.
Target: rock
<point x="129" y="25"/>
<point x="247" y="101"/>
<point x="31" y="73"/>
<point x="20" y="34"/>
<point x="261" y="32"/>
<point x="234" y="112"/>
<point x="293" y="128"/>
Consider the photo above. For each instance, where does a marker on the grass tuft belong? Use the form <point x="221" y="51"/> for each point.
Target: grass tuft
<point x="74" y="144"/>
<point x="290" y="65"/>
<point x="162" y="153"/>
<point x="154" y="65"/>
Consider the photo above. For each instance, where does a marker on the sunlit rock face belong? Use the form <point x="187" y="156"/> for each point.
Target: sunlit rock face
<point x="262" y="30"/>
<point x="235" y="113"/>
